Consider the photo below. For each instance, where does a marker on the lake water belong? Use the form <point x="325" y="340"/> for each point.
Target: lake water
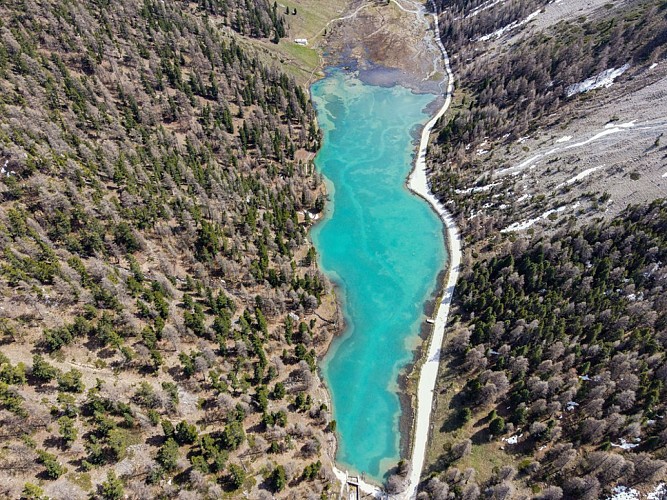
<point x="383" y="247"/>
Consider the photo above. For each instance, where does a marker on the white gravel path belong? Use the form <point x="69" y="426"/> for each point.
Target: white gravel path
<point x="418" y="183"/>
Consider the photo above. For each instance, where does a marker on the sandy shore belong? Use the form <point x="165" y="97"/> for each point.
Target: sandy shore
<point x="418" y="183"/>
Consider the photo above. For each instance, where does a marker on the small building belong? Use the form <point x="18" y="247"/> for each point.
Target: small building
<point x="301" y="41"/>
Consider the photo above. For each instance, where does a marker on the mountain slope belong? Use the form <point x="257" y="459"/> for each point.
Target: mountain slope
<point x="160" y="310"/>
<point x="553" y="379"/>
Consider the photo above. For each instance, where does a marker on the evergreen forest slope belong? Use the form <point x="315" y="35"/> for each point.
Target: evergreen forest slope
<point x="160" y="309"/>
<point x="554" y="370"/>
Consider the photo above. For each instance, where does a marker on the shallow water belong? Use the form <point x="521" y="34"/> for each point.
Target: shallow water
<point x="383" y="247"/>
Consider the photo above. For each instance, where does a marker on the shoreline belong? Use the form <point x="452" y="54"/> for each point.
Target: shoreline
<point x="428" y="360"/>
<point x="418" y="184"/>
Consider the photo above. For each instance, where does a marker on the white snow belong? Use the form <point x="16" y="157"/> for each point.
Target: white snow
<point x="477" y="189"/>
<point x="604" y="79"/>
<point x="571" y="405"/>
<point x="579" y="176"/>
<point x="658" y="493"/>
<point x="609" y="129"/>
<point x="665" y="174"/>
<point x="652" y="66"/>
<point x="522" y="225"/>
<point x="483" y="7"/>
<point x="623" y="493"/>
<point x="597" y="136"/>
<point x="629" y="124"/>
<point x="624" y="445"/>
<point x="584" y="377"/>
<point x="524" y="197"/>
<point x="513" y="439"/>
<point x="509" y="27"/>
<point x="520" y="166"/>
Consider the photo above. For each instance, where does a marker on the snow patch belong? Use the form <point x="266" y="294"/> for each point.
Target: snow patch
<point x="509" y="27"/>
<point x="604" y="79"/>
<point x="624" y="445"/>
<point x="597" y="136"/>
<point x="3" y="170"/>
<point x="564" y="138"/>
<point x="520" y="166"/>
<point x="623" y="493"/>
<point x="483" y="7"/>
<point x="579" y="176"/>
<point x="620" y="125"/>
<point x="513" y="439"/>
<point x="652" y="66"/>
<point x="520" y="226"/>
<point x="571" y="405"/>
<point x="477" y="189"/>
<point x="658" y="493"/>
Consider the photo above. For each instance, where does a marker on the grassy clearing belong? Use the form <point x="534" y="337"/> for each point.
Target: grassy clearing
<point x="448" y="430"/>
<point x="486" y="457"/>
<point x="299" y="61"/>
<point x="312" y="16"/>
<point x="81" y="479"/>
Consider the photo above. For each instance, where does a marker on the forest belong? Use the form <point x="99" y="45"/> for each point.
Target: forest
<point x="553" y="382"/>
<point x="160" y="309"/>
<point x="560" y="341"/>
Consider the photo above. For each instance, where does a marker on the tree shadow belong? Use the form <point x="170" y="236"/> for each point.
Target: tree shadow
<point x="481" y="436"/>
<point x="455" y="419"/>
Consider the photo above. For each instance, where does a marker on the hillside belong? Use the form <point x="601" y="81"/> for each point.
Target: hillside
<point x="558" y="112"/>
<point x="160" y="311"/>
<point x="551" y="158"/>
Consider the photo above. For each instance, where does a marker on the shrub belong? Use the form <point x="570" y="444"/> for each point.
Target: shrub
<point x="278" y="479"/>
<point x="236" y="476"/>
<point x="67" y="430"/>
<point x="71" y="381"/>
<point x="167" y="455"/>
<point x="186" y="433"/>
<point x="53" y="468"/>
<point x="497" y="426"/>
<point x="125" y="238"/>
<point x="32" y="492"/>
<point x="112" y="488"/>
<point x="41" y="370"/>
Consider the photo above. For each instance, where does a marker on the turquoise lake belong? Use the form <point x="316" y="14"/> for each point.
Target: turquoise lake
<point x="383" y="247"/>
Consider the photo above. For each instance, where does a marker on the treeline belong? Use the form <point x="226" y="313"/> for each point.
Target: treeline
<point x="562" y="341"/>
<point x="158" y="289"/>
